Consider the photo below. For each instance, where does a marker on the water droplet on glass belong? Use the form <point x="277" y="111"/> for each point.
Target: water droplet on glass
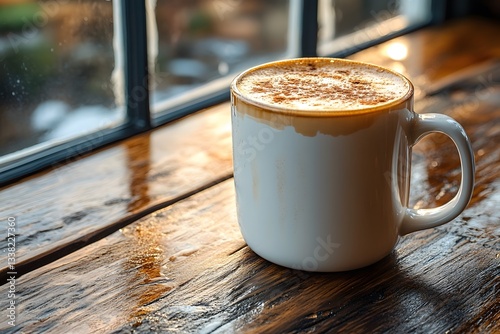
<point x="13" y="93"/>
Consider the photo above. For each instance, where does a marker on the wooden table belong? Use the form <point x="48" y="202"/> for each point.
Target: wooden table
<point x="142" y="236"/>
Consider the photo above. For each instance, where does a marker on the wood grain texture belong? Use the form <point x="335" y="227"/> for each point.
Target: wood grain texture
<point x="185" y="268"/>
<point x="70" y="205"/>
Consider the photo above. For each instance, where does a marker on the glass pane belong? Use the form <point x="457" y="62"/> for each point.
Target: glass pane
<point x="195" y="42"/>
<point x="346" y="24"/>
<point x="56" y="61"/>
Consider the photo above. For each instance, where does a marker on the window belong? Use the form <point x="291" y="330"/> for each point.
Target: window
<point x="347" y="26"/>
<point x="198" y="45"/>
<point x="78" y="74"/>
<point x="56" y="59"/>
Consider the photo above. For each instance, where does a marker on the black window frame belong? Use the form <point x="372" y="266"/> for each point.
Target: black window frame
<point x="138" y="116"/>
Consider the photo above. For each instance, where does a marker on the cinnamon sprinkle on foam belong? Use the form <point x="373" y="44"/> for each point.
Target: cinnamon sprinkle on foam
<point x="322" y="85"/>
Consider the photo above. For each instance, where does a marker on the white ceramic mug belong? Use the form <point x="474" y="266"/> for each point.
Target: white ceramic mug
<point x="329" y="191"/>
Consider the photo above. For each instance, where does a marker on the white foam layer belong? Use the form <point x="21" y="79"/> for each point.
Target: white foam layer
<point x="322" y="85"/>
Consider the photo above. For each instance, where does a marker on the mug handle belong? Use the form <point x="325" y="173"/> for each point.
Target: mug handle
<point x="415" y="220"/>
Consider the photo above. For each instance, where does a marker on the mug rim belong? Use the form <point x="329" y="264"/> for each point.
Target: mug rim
<point x="389" y="105"/>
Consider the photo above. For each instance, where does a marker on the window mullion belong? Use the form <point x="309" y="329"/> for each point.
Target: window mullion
<point x="136" y="65"/>
<point x="309" y="28"/>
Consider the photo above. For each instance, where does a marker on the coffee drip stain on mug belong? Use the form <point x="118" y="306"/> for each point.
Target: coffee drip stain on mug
<point x="334" y="125"/>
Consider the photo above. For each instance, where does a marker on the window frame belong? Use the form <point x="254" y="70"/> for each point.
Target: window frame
<point x="138" y="107"/>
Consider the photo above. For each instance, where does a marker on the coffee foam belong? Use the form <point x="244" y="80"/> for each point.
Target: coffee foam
<point x="322" y="85"/>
